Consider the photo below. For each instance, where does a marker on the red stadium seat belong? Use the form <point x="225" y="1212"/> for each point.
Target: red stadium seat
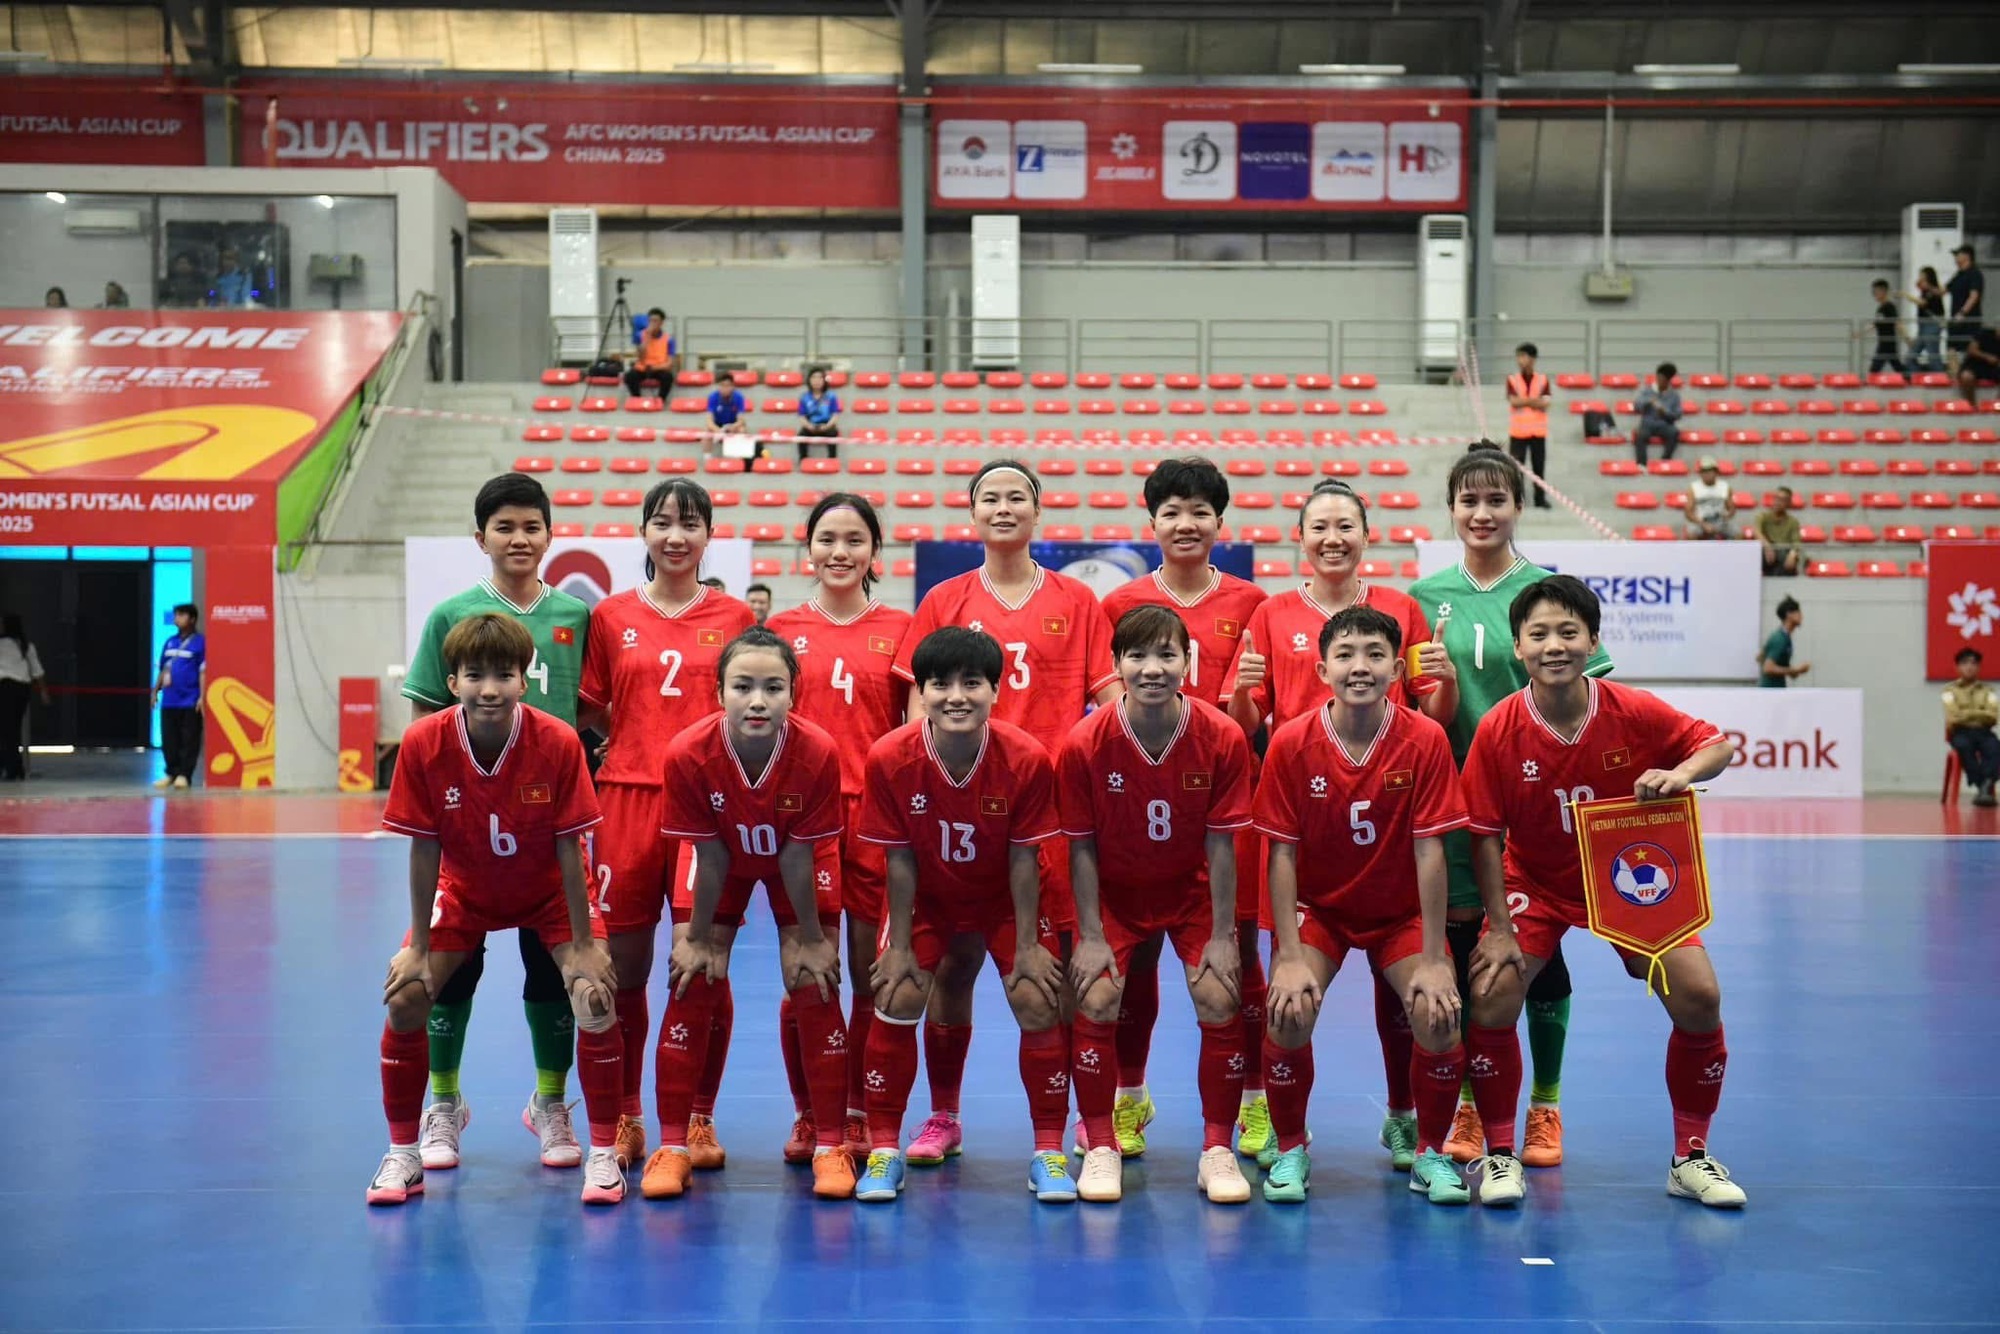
<point x="770" y="466"/>
<point x="1931" y="500"/>
<point x="1104" y="467"/>
<point x="1853" y="534"/>
<point x="1093" y="380"/>
<point x="1274" y="569"/>
<point x="1048" y="380"/>
<point x="541" y="434"/>
<point x="679" y="466"/>
<point x="1798" y="380"/>
<point x="1314" y="380"/>
<point x="631" y="465"/>
<point x="1321" y="407"/>
<point x="1954" y="407"/>
<point x="916" y="380"/>
<point x="1837" y="436"/>
<point x="1620" y="468"/>
<point x="1909" y="407"/>
<point x="915" y="500"/>
<point x="1055" y="467"/>
<point x="1879" y="569"/>
<point x="1904" y="532"/>
<point x="646" y="403"/>
<point x="582" y="463"/>
<point x="1886" y="380"/>
<point x="1388" y="468"/>
<point x="1811" y="468"/>
<point x="598" y="403"/>
<point x="552" y="403"/>
<point x="1955" y="532"/>
<point x="571" y="498"/>
<point x="1619" y="380"/>
<point x="613" y="530"/>
<point x="1841" y="380"/>
<point x="1978" y="437"/>
<point x="1232" y="407"/>
<point x="1980" y="500"/>
<point x="1367" y="407"/>
<point x="1763" y="468"/>
<point x="1860" y="468"/>
<point x="1111" y="532"/>
<point x="1668" y="468"/>
<point x="1277" y="407"/>
<point x="1698" y="438"/>
<point x="1254" y="500"/>
<point x="1724" y="407"/>
<point x="1957" y="468"/>
<point x="1399" y="500"/>
<point x="1828" y="569"/>
<point x="1575" y="380"/>
<point x="1062" y="532"/>
<point x="870" y="407"/>
<point x="1404" y="534"/>
<point x="1261" y="533"/>
<point x="916" y="406"/>
<point x="1340" y="467"/>
<point x="1930" y="435"/>
<point x="534" y="463"/>
<point x="1003" y="380"/>
<point x="959" y="532"/>
<point x="1742" y="437"/>
<point x="1818" y="407"/>
<point x="1749" y="380"/>
<point x="1358" y="380"/>
<point x="1109" y="500"/>
<point x="1832" y="500"/>
<point x="1141" y="407"/>
<point x="1708" y="380"/>
<point x="1138" y="380"/>
<point x="1654" y="532"/>
<point x="1637" y="500"/>
<point x="1056" y="407"/>
<point x="1061" y="500"/>
<point x="1786" y="435"/>
<point x="1881" y="500"/>
<point x="1269" y="380"/>
<point x="562" y="375"/>
<point x="589" y="435"/>
<point x="1771" y="407"/>
<point x="913" y="532"/>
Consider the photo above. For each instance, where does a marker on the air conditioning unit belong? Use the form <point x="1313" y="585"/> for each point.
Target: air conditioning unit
<point x="996" y="290"/>
<point x="1930" y="233"/>
<point x="573" y="284"/>
<point x="104" y="221"/>
<point x="1444" y="288"/>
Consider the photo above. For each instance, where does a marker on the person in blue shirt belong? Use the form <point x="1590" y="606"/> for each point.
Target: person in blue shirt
<point x="818" y="408"/>
<point x="726" y="406"/>
<point x="177" y="695"/>
<point x="233" y="285"/>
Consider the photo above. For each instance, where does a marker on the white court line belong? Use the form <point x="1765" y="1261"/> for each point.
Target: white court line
<point x="1536" y="1260"/>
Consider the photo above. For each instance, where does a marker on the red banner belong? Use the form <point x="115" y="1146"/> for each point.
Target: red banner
<point x="1206" y="149"/>
<point x="98" y="120"/>
<point x="167" y="427"/>
<point x="1645" y="882"/>
<point x="360" y="716"/>
<point x="241" y="733"/>
<point x="1964" y="609"/>
<point x="776" y="146"/>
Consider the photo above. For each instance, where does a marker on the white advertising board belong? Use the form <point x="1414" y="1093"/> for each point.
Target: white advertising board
<point x="1789" y="743"/>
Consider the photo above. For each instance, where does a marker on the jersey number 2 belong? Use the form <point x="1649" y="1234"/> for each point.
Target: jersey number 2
<point x="671" y="660"/>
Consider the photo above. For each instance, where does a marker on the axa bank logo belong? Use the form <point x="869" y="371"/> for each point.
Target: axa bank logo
<point x="1641" y="590"/>
<point x="972" y="148"/>
<point x="581" y="574"/>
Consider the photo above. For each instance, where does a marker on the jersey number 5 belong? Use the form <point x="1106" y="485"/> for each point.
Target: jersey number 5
<point x="1364" y="830"/>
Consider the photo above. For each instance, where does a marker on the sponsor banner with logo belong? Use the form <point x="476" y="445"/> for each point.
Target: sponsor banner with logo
<point x="360" y="719"/>
<point x="777" y="146"/>
<point x="1102" y="565"/>
<point x="1964" y="606"/>
<point x="1789" y="743"/>
<point x="241" y="732"/>
<point x="98" y="121"/>
<point x="168" y="427"/>
<point x="1215" y="148"/>
<point x="590" y="568"/>
<point x="1685" y="611"/>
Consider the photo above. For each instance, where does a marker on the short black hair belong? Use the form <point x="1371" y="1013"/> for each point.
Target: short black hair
<point x="1668" y="369"/>
<point x="847" y="500"/>
<point x="1880" y="282"/>
<point x="509" y="488"/>
<point x="1969" y="652"/>
<point x="1787" y="607"/>
<point x="756" y="637"/>
<point x="1567" y="592"/>
<point x="1360" y="621"/>
<point x="188" y="609"/>
<point x="730" y="376"/>
<point x="1528" y="348"/>
<point x="1186" y="479"/>
<point x="1967" y="251"/>
<point x="656" y="311"/>
<point x="1484" y="461"/>
<point x="953" y="650"/>
<point x="1145" y="626"/>
<point x="756" y="588"/>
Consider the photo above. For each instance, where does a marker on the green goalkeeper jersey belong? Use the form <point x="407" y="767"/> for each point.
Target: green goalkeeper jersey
<point x="557" y="623"/>
<point x="1481" y="643"/>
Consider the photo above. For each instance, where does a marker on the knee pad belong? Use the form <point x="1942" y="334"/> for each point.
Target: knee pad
<point x="1552" y="984"/>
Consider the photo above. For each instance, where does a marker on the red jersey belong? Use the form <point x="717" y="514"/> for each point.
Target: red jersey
<point x="1215" y="622"/>
<point x="709" y="796"/>
<point x="496" y="828"/>
<point x="959" y="832"/>
<point x="1354" y="821"/>
<point x="1285" y="629"/>
<point x="847" y="678"/>
<point x="654" y="673"/>
<point x="1151" y="818"/>
<point x="1520" y="776"/>
<point x="1055" y="647"/>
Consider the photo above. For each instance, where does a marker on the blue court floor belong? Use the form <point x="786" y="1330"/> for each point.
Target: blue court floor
<point x="193" y="1025"/>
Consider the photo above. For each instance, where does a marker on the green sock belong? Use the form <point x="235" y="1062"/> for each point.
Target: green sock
<point x="552" y="1031"/>
<point x="447" y="1033"/>
<point x="1548" y="1031"/>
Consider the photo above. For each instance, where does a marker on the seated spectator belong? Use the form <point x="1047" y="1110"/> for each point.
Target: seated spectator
<point x="1659" y="408"/>
<point x="714" y="581"/>
<point x="1970" y="710"/>
<point x="653" y="360"/>
<point x="726" y="406"/>
<point x="1774" y="663"/>
<point x="1710" y="506"/>
<point x="184" y="284"/>
<point x="55" y="299"/>
<point x="1779" y="534"/>
<point x="1980" y="364"/>
<point x="1886" y="356"/>
<point x="115" y="298"/>
<point x="818" y="408"/>
<point x="233" y="285"/>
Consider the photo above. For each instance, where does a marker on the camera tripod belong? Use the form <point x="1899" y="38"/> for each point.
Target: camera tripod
<point x="619" y="318"/>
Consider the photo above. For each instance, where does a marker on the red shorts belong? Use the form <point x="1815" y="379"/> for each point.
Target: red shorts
<point x="864" y="871"/>
<point x="738" y="891"/>
<point x="931" y="932"/>
<point x="459" y="926"/>
<point x="1058" y="899"/>
<point x="1187" y="925"/>
<point x="1384" y="945"/>
<point x="1541" y="919"/>
<point x="632" y="861"/>
<point x="1253" y="902"/>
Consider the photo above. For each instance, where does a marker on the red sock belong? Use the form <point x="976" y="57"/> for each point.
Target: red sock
<point x="635" y="1025"/>
<point x="1696" y="1063"/>
<point x="1219" y="1074"/>
<point x="1097" y="1067"/>
<point x="1392" y="1027"/>
<point x="1436" y="1076"/>
<point x="1138" y="1011"/>
<point x="1493" y="1059"/>
<point x="600" y="1068"/>
<point x="1288" y="1081"/>
<point x="1045" y="1075"/>
<point x="405" y="1069"/>
<point x="821" y="1042"/>
<point x="892" y="1072"/>
<point x="721" y="1025"/>
<point x="860" y="1019"/>
<point x="795" y="1067"/>
<point x="686" y="1033"/>
<point x="1254" y="989"/>
<point x="945" y="1046"/>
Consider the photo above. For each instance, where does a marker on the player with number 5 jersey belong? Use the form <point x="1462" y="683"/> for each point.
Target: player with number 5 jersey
<point x="847" y="643"/>
<point x="648" y="674"/>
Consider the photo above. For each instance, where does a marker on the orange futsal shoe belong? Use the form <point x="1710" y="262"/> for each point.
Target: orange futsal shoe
<point x="833" y="1175"/>
<point x="855" y="1141"/>
<point x="667" y="1173"/>
<point x="799" y="1148"/>
<point x="703" y="1148"/>
<point x="1544" y="1144"/>
<point x="631" y="1142"/>
<point x="1468" y="1137"/>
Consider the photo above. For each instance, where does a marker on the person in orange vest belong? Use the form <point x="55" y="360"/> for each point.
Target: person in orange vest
<point x="1528" y="417"/>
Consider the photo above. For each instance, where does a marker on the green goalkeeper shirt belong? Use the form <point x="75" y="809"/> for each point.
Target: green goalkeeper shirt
<point x="557" y="623"/>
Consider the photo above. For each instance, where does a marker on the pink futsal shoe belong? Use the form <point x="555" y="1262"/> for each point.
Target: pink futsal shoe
<point x="938" y="1139"/>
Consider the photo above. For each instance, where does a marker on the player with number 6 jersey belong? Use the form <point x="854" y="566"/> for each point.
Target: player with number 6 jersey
<point x="648" y="674"/>
<point x="847" y="643"/>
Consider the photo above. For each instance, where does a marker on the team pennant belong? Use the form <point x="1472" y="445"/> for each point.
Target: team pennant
<point x="535" y="794"/>
<point x="791" y="802"/>
<point x="1645" y="881"/>
<point x="1196" y="780"/>
<point x="993" y="805"/>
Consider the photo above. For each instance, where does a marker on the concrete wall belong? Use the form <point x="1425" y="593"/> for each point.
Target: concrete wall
<point x="330" y="626"/>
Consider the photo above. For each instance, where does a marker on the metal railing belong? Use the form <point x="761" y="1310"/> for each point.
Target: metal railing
<point x="1639" y="345"/>
<point x="769" y="340"/>
<point x="1290" y="346"/>
<point x="1794" y="345"/>
<point x="1140" y="345"/>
